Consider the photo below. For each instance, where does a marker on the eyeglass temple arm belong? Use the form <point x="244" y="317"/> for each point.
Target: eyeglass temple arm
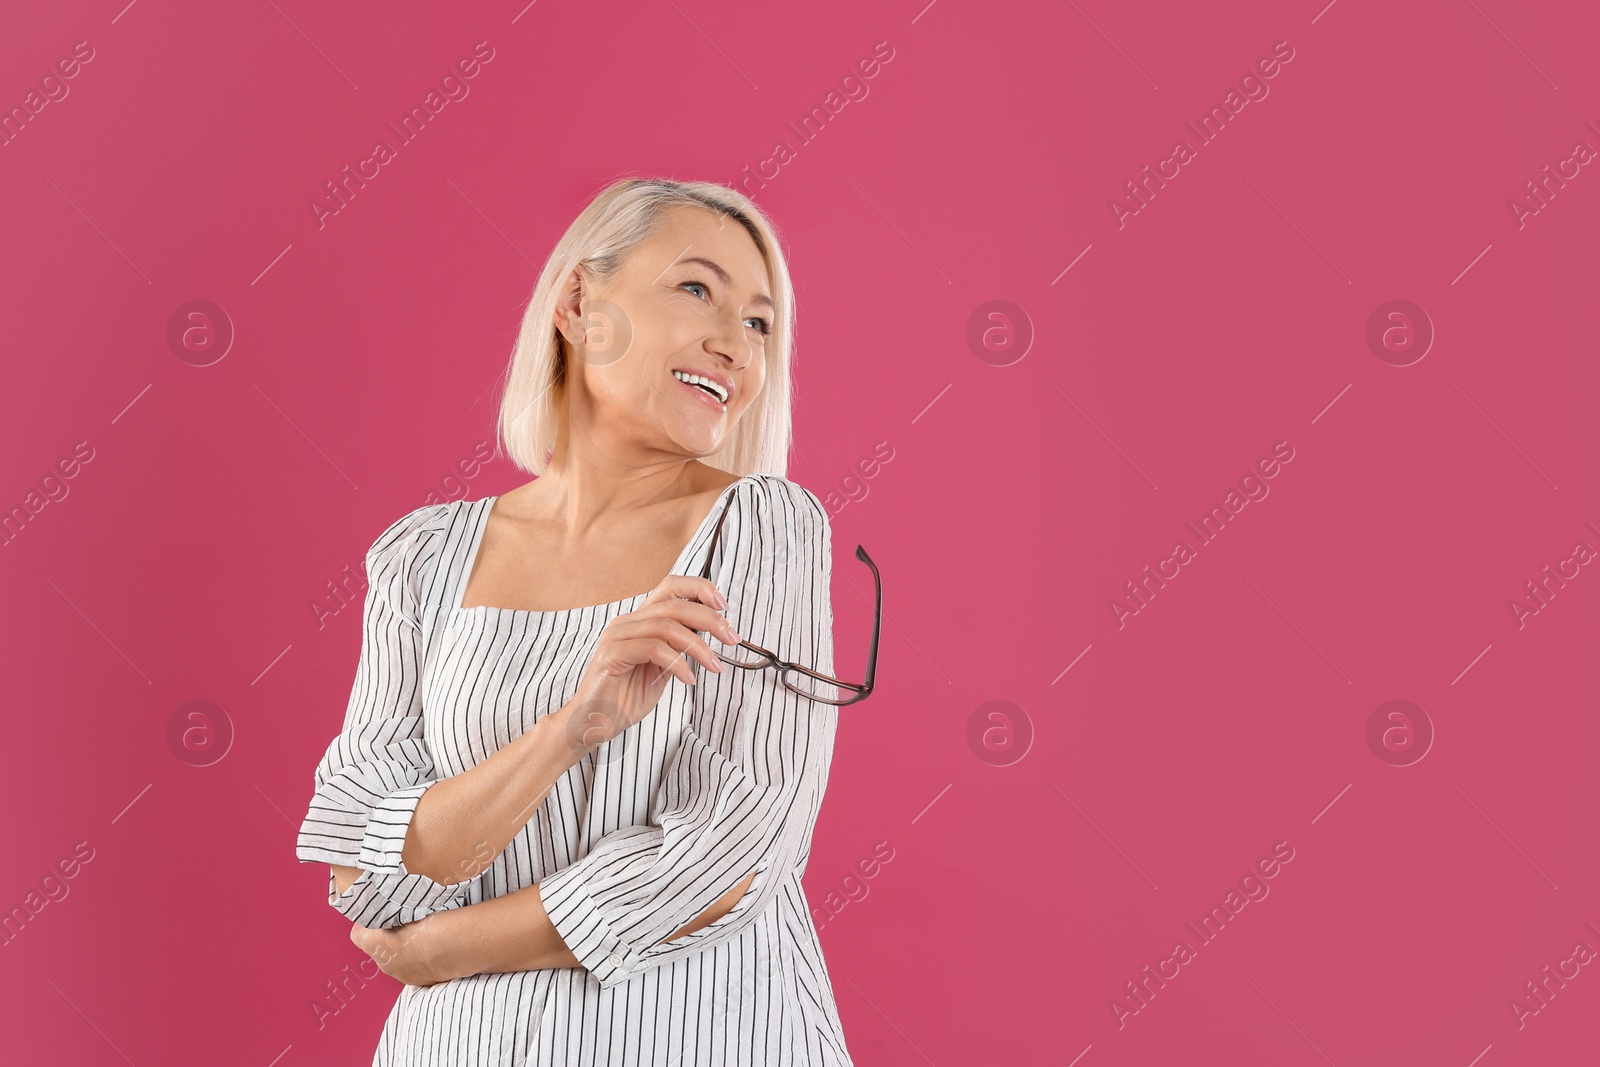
<point x="877" y="606"/>
<point x="877" y="617"/>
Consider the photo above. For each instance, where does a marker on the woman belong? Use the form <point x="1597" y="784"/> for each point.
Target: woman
<point x="565" y="857"/>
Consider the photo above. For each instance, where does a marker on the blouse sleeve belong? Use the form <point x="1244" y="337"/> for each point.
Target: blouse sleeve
<point x="742" y="790"/>
<point x="377" y="768"/>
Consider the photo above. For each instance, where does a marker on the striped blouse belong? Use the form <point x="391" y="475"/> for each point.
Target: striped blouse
<point x="637" y="839"/>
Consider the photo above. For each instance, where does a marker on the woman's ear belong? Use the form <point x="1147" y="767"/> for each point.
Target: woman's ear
<point x="569" y="308"/>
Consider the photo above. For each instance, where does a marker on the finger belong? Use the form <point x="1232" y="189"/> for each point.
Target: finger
<point x="684" y="587"/>
<point x="666" y="657"/>
<point x="689" y="614"/>
<point x="693" y="615"/>
<point x="678" y="636"/>
<point x="632" y="651"/>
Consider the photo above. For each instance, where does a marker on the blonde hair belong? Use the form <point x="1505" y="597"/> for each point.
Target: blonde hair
<point x="620" y="218"/>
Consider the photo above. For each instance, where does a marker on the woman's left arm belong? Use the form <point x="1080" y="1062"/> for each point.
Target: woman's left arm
<point x="508" y="933"/>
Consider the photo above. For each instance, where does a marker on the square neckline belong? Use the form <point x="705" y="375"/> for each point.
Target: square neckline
<point x="465" y="574"/>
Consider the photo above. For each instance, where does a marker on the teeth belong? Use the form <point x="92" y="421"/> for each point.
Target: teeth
<point x="716" y="389"/>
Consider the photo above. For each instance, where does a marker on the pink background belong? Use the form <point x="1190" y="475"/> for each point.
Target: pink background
<point x="185" y="559"/>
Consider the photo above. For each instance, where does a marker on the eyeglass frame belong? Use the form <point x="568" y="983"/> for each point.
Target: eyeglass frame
<point x="862" y="689"/>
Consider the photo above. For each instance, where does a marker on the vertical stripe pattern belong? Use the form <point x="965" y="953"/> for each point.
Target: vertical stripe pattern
<point x="723" y="778"/>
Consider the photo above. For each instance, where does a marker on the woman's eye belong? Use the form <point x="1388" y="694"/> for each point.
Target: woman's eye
<point x="761" y="324"/>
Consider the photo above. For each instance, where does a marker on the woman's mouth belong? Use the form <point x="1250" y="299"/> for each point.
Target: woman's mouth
<point x="705" y="389"/>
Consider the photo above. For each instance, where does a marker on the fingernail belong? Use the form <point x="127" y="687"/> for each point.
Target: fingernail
<point x="733" y="636"/>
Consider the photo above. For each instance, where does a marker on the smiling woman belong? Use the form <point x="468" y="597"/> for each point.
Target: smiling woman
<point x="566" y="858"/>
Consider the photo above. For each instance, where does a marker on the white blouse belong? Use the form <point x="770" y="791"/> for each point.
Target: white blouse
<point x="637" y="839"/>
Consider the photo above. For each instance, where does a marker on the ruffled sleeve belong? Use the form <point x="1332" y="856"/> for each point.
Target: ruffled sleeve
<point x="377" y="768"/>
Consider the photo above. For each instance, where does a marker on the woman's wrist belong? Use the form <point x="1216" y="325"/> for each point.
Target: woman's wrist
<point x="453" y="940"/>
<point x="561" y="747"/>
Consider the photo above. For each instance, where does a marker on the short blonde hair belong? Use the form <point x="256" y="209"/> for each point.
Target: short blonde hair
<point x="620" y="218"/>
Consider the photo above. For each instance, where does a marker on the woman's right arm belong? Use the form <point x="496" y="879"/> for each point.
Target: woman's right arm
<point x="463" y="822"/>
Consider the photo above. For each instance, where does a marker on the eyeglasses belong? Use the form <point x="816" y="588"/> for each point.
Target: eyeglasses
<point x="797" y="678"/>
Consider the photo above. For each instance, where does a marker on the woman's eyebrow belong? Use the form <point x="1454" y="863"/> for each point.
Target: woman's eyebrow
<point x="722" y="276"/>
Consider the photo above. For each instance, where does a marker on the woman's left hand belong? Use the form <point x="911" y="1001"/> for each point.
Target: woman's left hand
<point x="416" y="954"/>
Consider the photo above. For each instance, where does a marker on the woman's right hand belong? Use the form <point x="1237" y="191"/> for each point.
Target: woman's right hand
<point x="639" y="652"/>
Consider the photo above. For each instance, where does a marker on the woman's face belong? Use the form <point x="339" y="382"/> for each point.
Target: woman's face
<point x="692" y="300"/>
